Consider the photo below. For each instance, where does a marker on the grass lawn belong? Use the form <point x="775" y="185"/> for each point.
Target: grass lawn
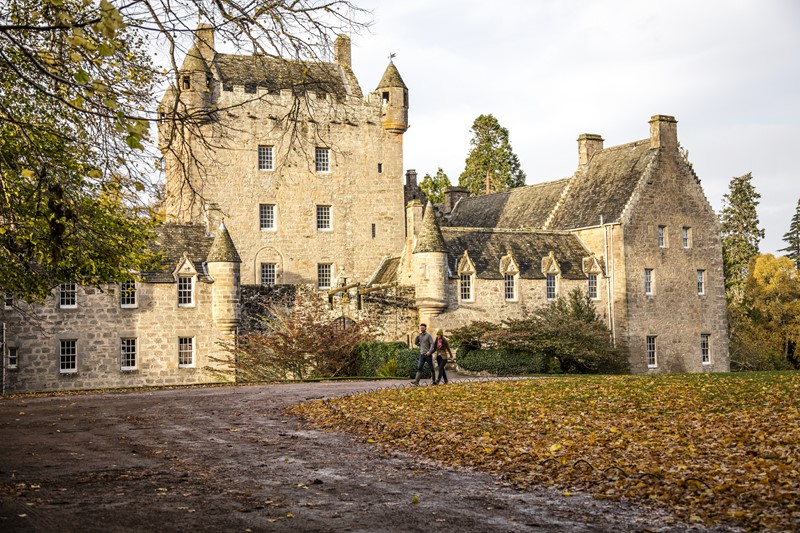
<point x="713" y="448"/>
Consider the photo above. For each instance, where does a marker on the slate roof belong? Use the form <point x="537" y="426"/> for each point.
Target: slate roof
<point x="487" y="246"/>
<point x="172" y="241"/>
<point x="605" y="187"/>
<point x="519" y="208"/>
<point x="387" y="271"/>
<point x="275" y="74"/>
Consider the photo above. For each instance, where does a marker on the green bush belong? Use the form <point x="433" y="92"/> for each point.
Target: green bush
<point x="388" y="369"/>
<point x="502" y="362"/>
<point x="371" y="356"/>
<point x="407" y="361"/>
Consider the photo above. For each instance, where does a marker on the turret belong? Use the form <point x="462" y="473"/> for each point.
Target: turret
<point x="195" y="78"/>
<point x="394" y="101"/>
<point x="223" y="263"/>
<point x="430" y="267"/>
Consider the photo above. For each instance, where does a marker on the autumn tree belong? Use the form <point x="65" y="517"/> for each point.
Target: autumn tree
<point x="740" y="233"/>
<point x="792" y="238"/>
<point x="490" y="154"/>
<point x="765" y="332"/>
<point x="296" y="339"/>
<point x="78" y="90"/>
<point x="435" y="186"/>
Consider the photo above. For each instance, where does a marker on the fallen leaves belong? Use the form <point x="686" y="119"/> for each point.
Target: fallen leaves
<point x="712" y="448"/>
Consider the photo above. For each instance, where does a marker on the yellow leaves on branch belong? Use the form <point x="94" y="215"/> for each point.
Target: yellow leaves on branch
<point x="711" y="448"/>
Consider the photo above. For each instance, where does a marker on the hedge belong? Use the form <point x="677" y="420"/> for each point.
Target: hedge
<point x="407" y="361"/>
<point x="502" y="362"/>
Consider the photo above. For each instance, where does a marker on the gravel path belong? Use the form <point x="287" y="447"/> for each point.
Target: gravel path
<point x="231" y="459"/>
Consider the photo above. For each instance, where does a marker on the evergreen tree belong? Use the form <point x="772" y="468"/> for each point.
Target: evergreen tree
<point x="490" y="154"/>
<point x="740" y="233"/>
<point x="435" y="186"/>
<point x="792" y="238"/>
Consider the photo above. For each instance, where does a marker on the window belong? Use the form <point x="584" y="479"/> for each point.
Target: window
<point x="652" y="358"/>
<point x="593" y="286"/>
<point x="324" y="217"/>
<point x="128" y="354"/>
<point x="185" y="291"/>
<point x="187" y="83"/>
<point x="648" y="281"/>
<point x="265" y="159"/>
<point x="705" y="348"/>
<point x="266" y="217"/>
<point x="465" y="287"/>
<point x="686" y="235"/>
<point x="701" y="282"/>
<point x="68" y="357"/>
<point x="380" y="168"/>
<point x="68" y="295"/>
<point x="250" y="87"/>
<point x="13" y="357"/>
<point x="9" y="301"/>
<point x="385" y="97"/>
<point x="127" y="294"/>
<point x="268" y="272"/>
<point x="324" y="275"/>
<point x="322" y="160"/>
<point x="374" y="232"/>
<point x="662" y="236"/>
<point x="510" y="287"/>
<point x="551" y="286"/>
<point x="185" y="352"/>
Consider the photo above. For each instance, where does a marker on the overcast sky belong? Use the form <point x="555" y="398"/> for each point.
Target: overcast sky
<point x="727" y="70"/>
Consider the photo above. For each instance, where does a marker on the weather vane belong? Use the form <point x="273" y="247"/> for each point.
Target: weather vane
<point x="391" y="55"/>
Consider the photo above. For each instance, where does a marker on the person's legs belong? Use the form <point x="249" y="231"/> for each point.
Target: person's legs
<point x="441" y="362"/>
<point x="429" y="358"/>
<point x="420" y="366"/>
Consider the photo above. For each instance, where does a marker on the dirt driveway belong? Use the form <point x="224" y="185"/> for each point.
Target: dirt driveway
<point x="231" y="459"/>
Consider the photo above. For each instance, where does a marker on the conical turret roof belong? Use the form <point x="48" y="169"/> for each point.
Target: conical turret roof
<point x="391" y="78"/>
<point x="222" y="249"/>
<point x="430" y="234"/>
<point x="194" y="61"/>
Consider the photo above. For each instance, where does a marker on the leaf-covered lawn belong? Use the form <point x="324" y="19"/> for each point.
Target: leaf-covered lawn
<point x="713" y="448"/>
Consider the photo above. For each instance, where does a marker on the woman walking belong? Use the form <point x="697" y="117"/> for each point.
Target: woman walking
<point x="442" y="348"/>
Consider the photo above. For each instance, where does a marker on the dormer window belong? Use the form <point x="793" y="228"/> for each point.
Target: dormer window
<point x="186" y="83"/>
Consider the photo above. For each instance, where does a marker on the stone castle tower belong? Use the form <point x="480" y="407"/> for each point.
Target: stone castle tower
<point x="305" y="170"/>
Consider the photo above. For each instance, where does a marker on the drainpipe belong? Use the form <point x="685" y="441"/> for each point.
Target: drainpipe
<point x="3" y="357"/>
<point x="609" y="280"/>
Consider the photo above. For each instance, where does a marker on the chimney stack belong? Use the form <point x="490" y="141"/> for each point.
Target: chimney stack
<point x="341" y="51"/>
<point x="411" y="177"/>
<point x="663" y="132"/>
<point x="588" y="145"/>
<point x="451" y="197"/>
<point x="204" y="41"/>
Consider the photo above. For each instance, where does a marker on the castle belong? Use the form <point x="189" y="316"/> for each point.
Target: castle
<point x="299" y="180"/>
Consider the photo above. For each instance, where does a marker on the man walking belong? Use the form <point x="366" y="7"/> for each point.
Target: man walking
<point x="425" y="343"/>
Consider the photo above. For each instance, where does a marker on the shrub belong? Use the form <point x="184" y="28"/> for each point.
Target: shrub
<point x="567" y="335"/>
<point x="503" y="362"/>
<point x="388" y="369"/>
<point x="370" y="356"/>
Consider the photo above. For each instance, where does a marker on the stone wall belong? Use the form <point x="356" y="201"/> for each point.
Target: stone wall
<point x="98" y="324"/>
<point x="675" y="313"/>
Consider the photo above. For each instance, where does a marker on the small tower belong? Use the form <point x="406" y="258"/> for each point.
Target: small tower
<point x="223" y="264"/>
<point x="394" y="100"/>
<point x="430" y="267"/>
<point x="195" y="78"/>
